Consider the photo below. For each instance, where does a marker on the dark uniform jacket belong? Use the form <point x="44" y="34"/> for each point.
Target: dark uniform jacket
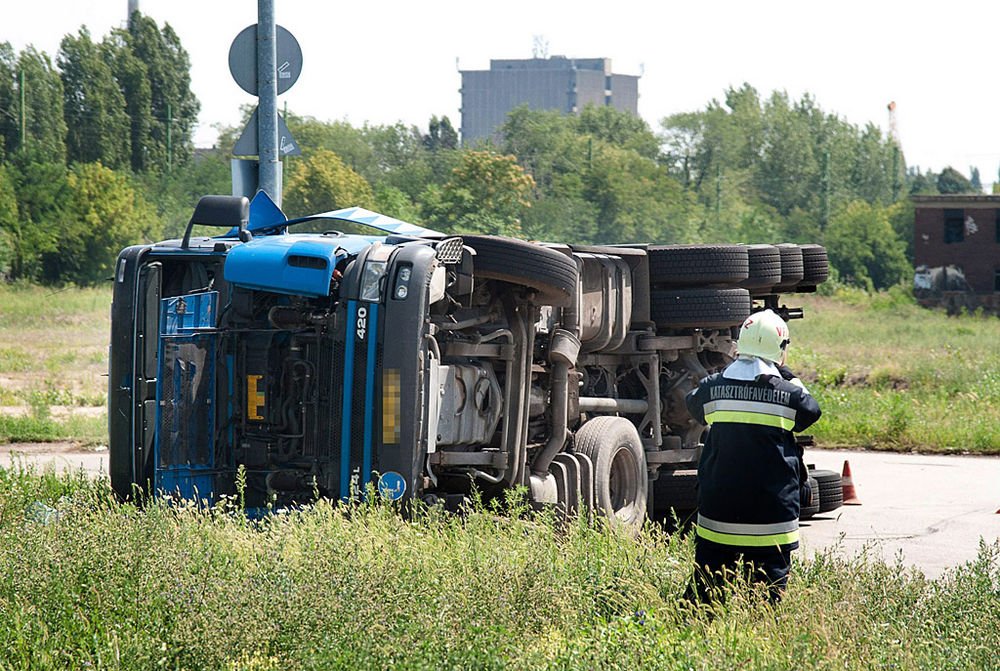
<point x="748" y="477"/>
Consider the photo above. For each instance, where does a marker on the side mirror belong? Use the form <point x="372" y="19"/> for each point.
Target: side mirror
<point x="222" y="211"/>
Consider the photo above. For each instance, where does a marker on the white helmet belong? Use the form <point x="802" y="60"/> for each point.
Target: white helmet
<point x="764" y="334"/>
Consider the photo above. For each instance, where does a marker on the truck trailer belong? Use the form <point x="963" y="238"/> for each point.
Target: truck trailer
<point x="348" y="354"/>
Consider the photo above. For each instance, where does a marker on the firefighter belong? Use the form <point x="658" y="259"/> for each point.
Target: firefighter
<point x="749" y="476"/>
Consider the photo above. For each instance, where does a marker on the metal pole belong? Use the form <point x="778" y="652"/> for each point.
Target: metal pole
<point x="267" y="94"/>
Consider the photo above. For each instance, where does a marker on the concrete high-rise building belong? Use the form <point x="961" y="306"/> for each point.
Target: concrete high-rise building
<point x="556" y="83"/>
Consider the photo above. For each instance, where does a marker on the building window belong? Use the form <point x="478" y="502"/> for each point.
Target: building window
<point x="998" y="225"/>
<point x="996" y="280"/>
<point x="954" y="226"/>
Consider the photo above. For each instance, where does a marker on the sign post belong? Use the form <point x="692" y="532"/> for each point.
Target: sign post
<point x="265" y="60"/>
<point x="267" y="94"/>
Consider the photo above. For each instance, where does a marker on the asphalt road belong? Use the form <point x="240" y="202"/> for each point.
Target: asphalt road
<point x="930" y="510"/>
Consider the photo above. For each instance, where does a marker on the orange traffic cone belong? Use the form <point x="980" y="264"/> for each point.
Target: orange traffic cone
<point x="850" y="495"/>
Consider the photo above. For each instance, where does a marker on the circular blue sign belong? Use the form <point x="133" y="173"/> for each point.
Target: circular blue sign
<point x="391" y="486"/>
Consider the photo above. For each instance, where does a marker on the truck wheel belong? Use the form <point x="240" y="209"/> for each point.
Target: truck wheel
<point x="764" y="266"/>
<point x="699" y="308"/>
<point x="697" y="265"/>
<point x="791" y="266"/>
<point x="807" y="511"/>
<point x="550" y="273"/>
<point x="620" y="479"/>
<point x="831" y="489"/>
<point x="815" y="267"/>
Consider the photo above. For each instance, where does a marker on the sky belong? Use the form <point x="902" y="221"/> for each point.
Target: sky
<point x="384" y="61"/>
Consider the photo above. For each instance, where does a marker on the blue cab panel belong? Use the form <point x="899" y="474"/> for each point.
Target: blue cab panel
<point x="288" y="264"/>
<point x="185" y="314"/>
<point x="184" y="445"/>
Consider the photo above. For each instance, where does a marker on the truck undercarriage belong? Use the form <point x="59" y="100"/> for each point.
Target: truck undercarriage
<point x="421" y="366"/>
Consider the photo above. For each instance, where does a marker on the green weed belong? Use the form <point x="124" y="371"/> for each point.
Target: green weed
<point x="89" y="583"/>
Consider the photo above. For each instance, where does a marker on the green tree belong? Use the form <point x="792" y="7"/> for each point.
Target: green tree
<point x="176" y="193"/>
<point x="321" y="182"/>
<point x="132" y="77"/>
<point x="975" y="181"/>
<point x="788" y="172"/>
<point x="487" y="193"/>
<point x="96" y="119"/>
<point x="42" y="196"/>
<point x="549" y="149"/>
<point x="561" y="219"/>
<point x="103" y="214"/>
<point x="872" y="176"/>
<point x="393" y="202"/>
<point x="440" y="134"/>
<point x="921" y="183"/>
<point x="9" y="120"/>
<point x="864" y="248"/>
<point x="43" y="102"/>
<point x="401" y="159"/>
<point x="154" y="72"/>
<point x="622" y="129"/>
<point x="779" y="163"/>
<point x="636" y="200"/>
<point x="339" y="137"/>
<point x="8" y="221"/>
<point x="952" y="181"/>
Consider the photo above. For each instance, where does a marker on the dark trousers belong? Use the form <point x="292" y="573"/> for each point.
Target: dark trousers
<point x="715" y="564"/>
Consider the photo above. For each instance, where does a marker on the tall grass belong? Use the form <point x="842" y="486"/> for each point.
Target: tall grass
<point x="87" y="583"/>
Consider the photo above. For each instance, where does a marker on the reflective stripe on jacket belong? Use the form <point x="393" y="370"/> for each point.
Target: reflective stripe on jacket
<point x="748" y="476"/>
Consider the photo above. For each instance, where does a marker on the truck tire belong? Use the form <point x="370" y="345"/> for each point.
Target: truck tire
<point x="791" y="266"/>
<point x="815" y="267"/>
<point x="552" y="274"/>
<point x="621" y="482"/>
<point x="807" y="511"/>
<point x="831" y="489"/>
<point x="697" y="265"/>
<point x="764" y="267"/>
<point x="699" y="308"/>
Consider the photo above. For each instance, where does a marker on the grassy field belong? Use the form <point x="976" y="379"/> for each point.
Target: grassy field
<point x="892" y="375"/>
<point x="87" y="583"/>
<point x="53" y="364"/>
<point x="888" y="374"/>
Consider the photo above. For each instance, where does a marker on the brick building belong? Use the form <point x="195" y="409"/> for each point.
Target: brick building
<point x="958" y="234"/>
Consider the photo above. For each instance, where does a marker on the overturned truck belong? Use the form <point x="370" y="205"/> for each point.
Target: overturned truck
<point x="422" y="366"/>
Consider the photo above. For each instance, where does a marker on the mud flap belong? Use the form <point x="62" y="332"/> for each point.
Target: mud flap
<point x="574" y="475"/>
